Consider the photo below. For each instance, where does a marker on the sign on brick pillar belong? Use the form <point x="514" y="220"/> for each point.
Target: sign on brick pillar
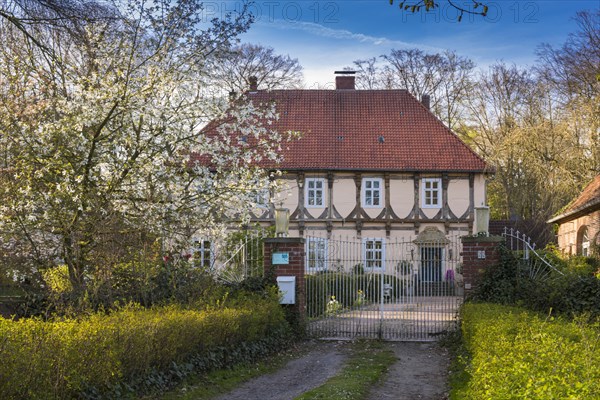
<point x="478" y="254"/>
<point x="284" y="257"/>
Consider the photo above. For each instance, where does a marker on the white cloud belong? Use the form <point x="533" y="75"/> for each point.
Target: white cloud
<point x="343" y="34"/>
<point x="322" y="50"/>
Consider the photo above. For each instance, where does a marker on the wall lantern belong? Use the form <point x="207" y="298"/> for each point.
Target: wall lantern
<point x="482" y="220"/>
<point x="282" y="222"/>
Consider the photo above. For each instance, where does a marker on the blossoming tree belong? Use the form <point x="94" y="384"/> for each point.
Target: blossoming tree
<point x="101" y="106"/>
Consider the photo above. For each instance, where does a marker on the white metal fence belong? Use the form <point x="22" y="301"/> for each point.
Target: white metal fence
<point x="532" y="262"/>
<point x="375" y="288"/>
<point x="241" y="256"/>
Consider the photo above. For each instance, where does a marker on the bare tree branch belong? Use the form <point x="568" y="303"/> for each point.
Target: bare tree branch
<point x="428" y="5"/>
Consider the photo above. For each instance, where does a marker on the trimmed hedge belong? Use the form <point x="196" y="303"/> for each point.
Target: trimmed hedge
<point x="518" y="354"/>
<point x="134" y="346"/>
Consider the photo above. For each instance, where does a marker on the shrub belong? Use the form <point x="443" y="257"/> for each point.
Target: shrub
<point x="345" y="288"/>
<point x="518" y="354"/>
<point x="64" y="358"/>
<point x="349" y="290"/>
<point x="374" y="290"/>
<point x="575" y="290"/>
<point x="502" y="283"/>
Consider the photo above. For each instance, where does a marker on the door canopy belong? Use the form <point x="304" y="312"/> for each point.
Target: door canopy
<point x="431" y="236"/>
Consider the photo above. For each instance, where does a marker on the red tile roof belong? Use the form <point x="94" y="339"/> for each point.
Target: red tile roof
<point x="587" y="201"/>
<point x="366" y="130"/>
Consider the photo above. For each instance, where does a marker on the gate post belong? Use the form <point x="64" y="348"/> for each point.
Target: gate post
<point x="289" y="261"/>
<point x="479" y="253"/>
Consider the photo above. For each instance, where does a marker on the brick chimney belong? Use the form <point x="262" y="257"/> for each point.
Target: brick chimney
<point x="426" y="100"/>
<point x="344" y="80"/>
<point x="253" y="81"/>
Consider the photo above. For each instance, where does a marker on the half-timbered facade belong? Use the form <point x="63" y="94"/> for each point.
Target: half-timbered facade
<point x="371" y="164"/>
<point x="375" y="168"/>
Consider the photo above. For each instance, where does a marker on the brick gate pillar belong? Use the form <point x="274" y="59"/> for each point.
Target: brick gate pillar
<point x="289" y="261"/>
<point x="479" y="253"/>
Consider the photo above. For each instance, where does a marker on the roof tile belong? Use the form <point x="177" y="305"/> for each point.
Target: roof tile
<point x="340" y="130"/>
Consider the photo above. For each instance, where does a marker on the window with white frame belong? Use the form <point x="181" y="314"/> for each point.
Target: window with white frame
<point x="261" y="193"/>
<point x="371" y="192"/>
<point x="316" y="254"/>
<point x="315" y="192"/>
<point x="202" y="254"/>
<point x="431" y="193"/>
<point x="262" y="198"/>
<point x="374" y="254"/>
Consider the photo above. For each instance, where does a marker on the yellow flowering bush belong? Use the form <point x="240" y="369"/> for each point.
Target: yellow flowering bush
<point x="519" y="354"/>
<point x="60" y="359"/>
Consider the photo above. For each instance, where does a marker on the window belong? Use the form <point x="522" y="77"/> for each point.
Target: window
<point x="371" y="192"/>
<point x="432" y="193"/>
<point x="374" y="254"/>
<point x="316" y="254"/>
<point x="202" y="254"/>
<point x="583" y="242"/>
<point x="261" y="193"/>
<point x="315" y="192"/>
<point x="262" y="198"/>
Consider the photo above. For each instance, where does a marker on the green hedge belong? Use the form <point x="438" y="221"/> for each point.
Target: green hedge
<point x="573" y="292"/>
<point x="518" y="354"/>
<point x="103" y="353"/>
<point x="321" y="287"/>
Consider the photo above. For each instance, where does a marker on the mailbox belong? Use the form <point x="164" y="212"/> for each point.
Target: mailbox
<point x="287" y="287"/>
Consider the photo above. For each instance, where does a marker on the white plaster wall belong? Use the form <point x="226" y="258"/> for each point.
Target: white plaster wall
<point x="431" y="212"/>
<point x="287" y="196"/>
<point x="373" y="211"/>
<point x="458" y="196"/>
<point x="344" y="195"/>
<point x="314" y="211"/>
<point x="402" y="196"/>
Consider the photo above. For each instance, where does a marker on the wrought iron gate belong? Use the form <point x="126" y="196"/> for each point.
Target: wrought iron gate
<point x="373" y="288"/>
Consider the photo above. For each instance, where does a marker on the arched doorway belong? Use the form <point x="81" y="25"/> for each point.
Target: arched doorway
<point x="583" y="242"/>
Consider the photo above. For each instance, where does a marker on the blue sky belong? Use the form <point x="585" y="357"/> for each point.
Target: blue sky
<point x="328" y="35"/>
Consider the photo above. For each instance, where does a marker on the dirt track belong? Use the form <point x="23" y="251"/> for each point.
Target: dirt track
<point x="419" y="373"/>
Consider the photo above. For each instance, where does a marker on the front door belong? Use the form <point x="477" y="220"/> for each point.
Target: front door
<point x="431" y="264"/>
